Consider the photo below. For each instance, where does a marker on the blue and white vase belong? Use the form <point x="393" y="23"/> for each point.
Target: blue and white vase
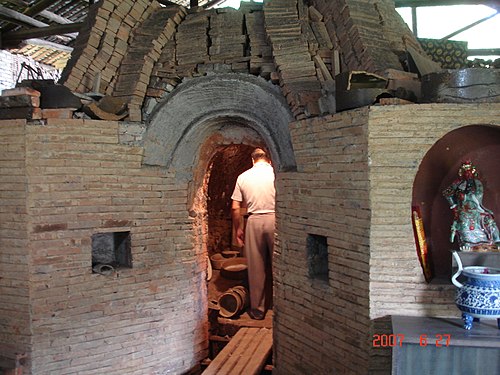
<point x="479" y="296"/>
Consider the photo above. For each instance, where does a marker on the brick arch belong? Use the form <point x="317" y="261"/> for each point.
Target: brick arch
<point x="237" y="107"/>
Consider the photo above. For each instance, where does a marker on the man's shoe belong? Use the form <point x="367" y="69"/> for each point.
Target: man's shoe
<point x="256" y="314"/>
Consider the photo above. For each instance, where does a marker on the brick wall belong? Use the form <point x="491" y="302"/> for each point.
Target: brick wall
<point x="354" y="185"/>
<point x="14" y="259"/>
<point x="399" y="138"/>
<point x="151" y="317"/>
<point x="321" y="327"/>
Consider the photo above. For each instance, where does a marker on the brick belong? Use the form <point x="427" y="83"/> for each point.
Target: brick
<point x="61" y="113"/>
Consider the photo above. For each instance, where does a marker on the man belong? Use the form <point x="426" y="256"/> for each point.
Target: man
<point x="255" y="190"/>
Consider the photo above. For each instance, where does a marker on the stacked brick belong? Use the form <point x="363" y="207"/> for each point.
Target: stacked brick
<point x="296" y="70"/>
<point x="324" y="56"/>
<point x="222" y="40"/>
<point x="227" y="40"/>
<point x="299" y="45"/>
<point x="180" y="57"/>
<point x="103" y="43"/>
<point x="328" y="196"/>
<point x="164" y="77"/>
<point x="396" y="32"/>
<point x="192" y="42"/>
<point x="145" y="48"/>
<point x="283" y="43"/>
<point x="74" y="179"/>
<point x="14" y="259"/>
<point x="369" y="34"/>
<point x="355" y="177"/>
<point x="261" y="55"/>
<point x="24" y="102"/>
<point x="21" y="102"/>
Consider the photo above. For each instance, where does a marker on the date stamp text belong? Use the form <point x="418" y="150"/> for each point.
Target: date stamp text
<point x="393" y="340"/>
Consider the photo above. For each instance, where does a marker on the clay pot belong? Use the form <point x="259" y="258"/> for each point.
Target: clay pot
<point x="217" y="260"/>
<point x="233" y="302"/>
<point x="234" y="268"/>
<point x="230" y="253"/>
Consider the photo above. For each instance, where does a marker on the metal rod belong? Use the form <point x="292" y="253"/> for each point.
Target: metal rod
<point x="414" y="21"/>
<point x="469" y="26"/>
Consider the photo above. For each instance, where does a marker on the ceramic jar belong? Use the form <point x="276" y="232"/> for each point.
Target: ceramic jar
<point x="479" y="295"/>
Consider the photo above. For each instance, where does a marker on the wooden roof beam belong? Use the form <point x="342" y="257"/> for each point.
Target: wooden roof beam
<point x="43" y="31"/>
<point x="13" y="38"/>
<point x="19" y="18"/>
<point x="38" y="7"/>
<point x="47" y="44"/>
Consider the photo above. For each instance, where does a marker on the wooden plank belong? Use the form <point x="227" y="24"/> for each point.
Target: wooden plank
<point x="322" y="67"/>
<point x="245" y="354"/>
<point x="244" y="366"/>
<point x="20" y="18"/>
<point x="42" y="31"/>
<point x="257" y="361"/>
<point x="239" y="354"/>
<point x="221" y="358"/>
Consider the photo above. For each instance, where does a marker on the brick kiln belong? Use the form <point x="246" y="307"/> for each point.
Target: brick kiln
<point x="147" y="187"/>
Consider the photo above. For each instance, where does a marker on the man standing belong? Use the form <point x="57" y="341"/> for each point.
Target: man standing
<point x="255" y="190"/>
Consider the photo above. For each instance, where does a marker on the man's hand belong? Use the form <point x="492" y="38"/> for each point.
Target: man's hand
<point x="240" y="237"/>
<point x="235" y="214"/>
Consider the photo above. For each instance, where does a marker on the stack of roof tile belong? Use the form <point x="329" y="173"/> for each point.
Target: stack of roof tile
<point x="227" y="41"/>
<point x="145" y="48"/>
<point x="296" y="69"/>
<point x="192" y="41"/>
<point x="261" y="54"/>
<point x="103" y="43"/>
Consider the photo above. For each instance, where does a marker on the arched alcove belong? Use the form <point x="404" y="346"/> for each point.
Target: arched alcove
<point x="438" y="169"/>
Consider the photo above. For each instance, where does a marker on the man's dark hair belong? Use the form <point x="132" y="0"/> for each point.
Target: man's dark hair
<point x="259" y="154"/>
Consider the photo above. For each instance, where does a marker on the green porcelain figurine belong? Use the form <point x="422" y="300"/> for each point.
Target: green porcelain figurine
<point x="473" y="224"/>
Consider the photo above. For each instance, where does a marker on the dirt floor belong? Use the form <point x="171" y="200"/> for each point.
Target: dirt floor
<point x="217" y="286"/>
<point x="223" y="328"/>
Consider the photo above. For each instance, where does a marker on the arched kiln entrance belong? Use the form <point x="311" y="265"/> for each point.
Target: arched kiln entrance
<point x="203" y="134"/>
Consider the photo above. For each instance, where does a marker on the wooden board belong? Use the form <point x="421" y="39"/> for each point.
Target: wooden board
<point x="245" y="354"/>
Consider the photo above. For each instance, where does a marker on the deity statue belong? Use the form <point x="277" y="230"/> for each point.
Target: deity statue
<point x="473" y="224"/>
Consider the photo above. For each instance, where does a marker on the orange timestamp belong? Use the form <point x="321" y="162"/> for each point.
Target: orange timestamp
<point x="392" y="340"/>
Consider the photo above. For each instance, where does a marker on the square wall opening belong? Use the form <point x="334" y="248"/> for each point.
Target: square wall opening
<point x="317" y="257"/>
<point x="113" y="248"/>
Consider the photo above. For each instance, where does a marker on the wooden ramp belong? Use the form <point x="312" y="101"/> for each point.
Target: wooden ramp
<point x="245" y="354"/>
